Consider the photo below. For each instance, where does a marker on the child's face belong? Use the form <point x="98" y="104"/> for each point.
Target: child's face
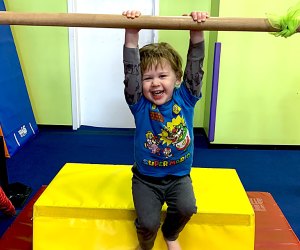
<point x="159" y="83"/>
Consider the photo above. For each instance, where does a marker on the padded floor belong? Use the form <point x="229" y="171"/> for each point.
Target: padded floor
<point x="272" y="232"/>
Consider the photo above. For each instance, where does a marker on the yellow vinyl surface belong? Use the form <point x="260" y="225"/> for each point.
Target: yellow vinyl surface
<point x="89" y="206"/>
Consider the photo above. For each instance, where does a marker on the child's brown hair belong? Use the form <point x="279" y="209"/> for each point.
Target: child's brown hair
<point x="154" y="54"/>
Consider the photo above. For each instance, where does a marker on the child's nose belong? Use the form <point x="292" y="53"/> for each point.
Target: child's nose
<point x="155" y="82"/>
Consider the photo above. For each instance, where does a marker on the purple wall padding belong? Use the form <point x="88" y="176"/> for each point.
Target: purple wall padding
<point x="214" y="92"/>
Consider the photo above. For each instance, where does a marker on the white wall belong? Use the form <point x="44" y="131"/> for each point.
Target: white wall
<point x="97" y="65"/>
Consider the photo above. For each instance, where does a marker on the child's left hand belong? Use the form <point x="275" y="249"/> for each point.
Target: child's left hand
<point x="199" y="17"/>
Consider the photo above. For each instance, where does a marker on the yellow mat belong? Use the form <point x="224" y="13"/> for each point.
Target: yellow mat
<point x="89" y="206"/>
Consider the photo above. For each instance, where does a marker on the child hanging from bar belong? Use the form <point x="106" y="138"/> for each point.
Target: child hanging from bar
<point x="163" y="108"/>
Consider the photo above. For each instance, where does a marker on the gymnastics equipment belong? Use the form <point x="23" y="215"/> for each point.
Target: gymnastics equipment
<point x="143" y="22"/>
<point x="285" y="25"/>
<point x="89" y="206"/>
<point x="17" y="122"/>
<point x="272" y="230"/>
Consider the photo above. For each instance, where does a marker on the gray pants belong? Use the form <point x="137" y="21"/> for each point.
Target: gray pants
<point x="149" y="194"/>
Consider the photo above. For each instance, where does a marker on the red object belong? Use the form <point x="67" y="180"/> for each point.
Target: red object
<point x="19" y="234"/>
<point x="272" y="231"/>
<point x="6" y="206"/>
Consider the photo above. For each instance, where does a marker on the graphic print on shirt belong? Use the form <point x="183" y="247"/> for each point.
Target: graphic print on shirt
<point x="152" y="142"/>
<point x="156" y="116"/>
<point x="176" y="133"/>
<point x="167" y="152"/>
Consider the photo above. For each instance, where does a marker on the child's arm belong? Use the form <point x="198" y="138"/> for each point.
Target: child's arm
<point x="131" y="35"/>
<point x="193" y="72"/>
<point x="197" y="36"/>
<point x="131" y="59"/>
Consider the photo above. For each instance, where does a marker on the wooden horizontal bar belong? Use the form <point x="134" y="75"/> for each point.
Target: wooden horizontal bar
<point x="143" y="22"/>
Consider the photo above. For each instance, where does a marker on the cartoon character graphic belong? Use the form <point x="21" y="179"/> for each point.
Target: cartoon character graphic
<point x="167" y="152"/>
<point x="176" y="133"/>
<point x="152" y="143"/>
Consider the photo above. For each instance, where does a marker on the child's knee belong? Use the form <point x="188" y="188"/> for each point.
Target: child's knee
<point x="187" y="209"/>
<point x="148" y="224"/>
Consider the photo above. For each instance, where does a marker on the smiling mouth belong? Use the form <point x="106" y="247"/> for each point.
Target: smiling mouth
<point x="157" y="95"/>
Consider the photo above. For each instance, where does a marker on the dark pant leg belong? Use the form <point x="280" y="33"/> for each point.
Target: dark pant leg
<point x="148" y="203"/>
<point x="181" y="203"/>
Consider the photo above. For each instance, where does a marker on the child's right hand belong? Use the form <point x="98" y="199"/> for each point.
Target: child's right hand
<point x="131" y="35"/>
<point x="131" y="13"/>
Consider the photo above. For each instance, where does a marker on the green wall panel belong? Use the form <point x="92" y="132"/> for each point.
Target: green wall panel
<point x="44" y="56"/>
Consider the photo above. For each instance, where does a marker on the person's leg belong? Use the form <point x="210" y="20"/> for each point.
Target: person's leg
<point x="148" y="204"/>
<point x="5" y="204"/>
<point x="173" y="244"/>
<point x="181" y="203"/>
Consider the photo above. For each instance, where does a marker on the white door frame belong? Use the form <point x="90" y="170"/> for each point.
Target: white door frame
<point x="73" y="46"/>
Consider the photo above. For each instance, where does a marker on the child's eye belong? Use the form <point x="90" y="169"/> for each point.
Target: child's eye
<point x="163" y="76"/>
<point x="146" y="78"/>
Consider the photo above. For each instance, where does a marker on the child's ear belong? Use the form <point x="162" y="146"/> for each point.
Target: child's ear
<point x="178" y="82"/>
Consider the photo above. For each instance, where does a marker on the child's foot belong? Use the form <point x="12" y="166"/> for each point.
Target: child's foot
<point x="173" y="245"/>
